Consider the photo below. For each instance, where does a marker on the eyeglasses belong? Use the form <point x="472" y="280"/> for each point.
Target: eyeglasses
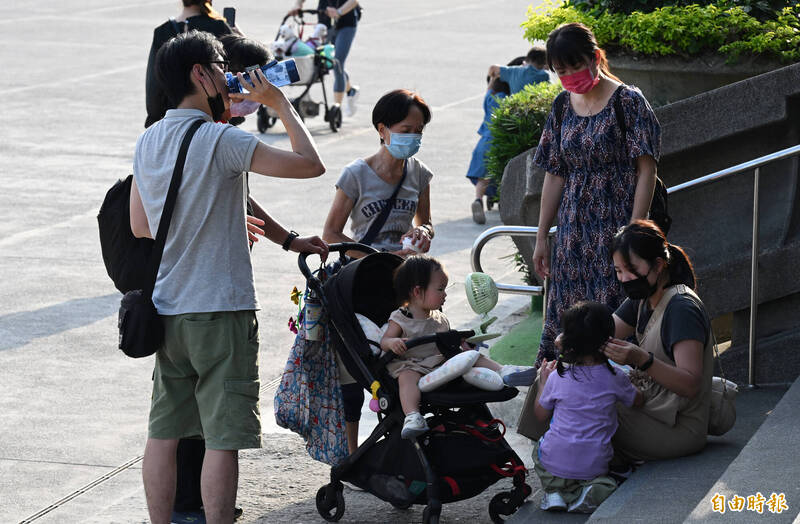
<point x="223" y="64"/>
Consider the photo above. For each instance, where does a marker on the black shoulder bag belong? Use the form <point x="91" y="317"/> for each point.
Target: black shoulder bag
<point x="658" y="205"/>
<point x="380" y="220"/>
<point x="141" y="331"/>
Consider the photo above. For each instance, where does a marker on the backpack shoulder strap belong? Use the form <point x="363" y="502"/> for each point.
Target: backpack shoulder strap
<point x="558" y="107"/>
<point x="154" y="261"/>
<point x="619" y="111"/>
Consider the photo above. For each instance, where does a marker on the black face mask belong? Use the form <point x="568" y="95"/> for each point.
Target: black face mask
<point x="216" y="104"/>
<point x="639" y="288"/>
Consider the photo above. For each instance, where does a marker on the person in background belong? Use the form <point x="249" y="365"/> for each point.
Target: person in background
<point x="477" y="166"/>
<point x="343" y="17"/>
<point x="531" y="71"/>
<point x="195" y="15"/>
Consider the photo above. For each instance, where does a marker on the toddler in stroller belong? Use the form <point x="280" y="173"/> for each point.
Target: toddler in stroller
<point x="420" y="284"/>
<point x="462" y="454"/>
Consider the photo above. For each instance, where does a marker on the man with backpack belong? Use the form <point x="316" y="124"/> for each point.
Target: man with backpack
<point x="205" y="382"/>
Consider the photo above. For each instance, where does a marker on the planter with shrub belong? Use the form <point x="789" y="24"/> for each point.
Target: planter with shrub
<point x="517" y="125"/>
<point x="674" y="50"/>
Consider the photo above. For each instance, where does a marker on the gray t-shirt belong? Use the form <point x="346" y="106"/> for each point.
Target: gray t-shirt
<point x="370" y="194"/>
<point x="206" y="263"/>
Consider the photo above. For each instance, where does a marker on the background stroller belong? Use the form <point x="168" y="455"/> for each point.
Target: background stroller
<point x="463" y="454"/>
<point x="312" y="67"/>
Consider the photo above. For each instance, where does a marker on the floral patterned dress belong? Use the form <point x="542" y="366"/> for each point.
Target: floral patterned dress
<point x="599" y="168"/>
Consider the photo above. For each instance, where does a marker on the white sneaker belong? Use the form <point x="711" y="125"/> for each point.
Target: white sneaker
<point x="413" y="426"/>
<point x="518" y="375"/>
<point x="585" y="503"/>
<point x="478" y="216"/>
<point x="553" y="502"/>
<point x="350" y="101"/>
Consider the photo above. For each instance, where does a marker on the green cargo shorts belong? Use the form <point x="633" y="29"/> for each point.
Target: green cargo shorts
<point x="205" y="382"/>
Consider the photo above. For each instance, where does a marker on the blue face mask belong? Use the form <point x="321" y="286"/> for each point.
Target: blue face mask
<point x="403" y="145"/>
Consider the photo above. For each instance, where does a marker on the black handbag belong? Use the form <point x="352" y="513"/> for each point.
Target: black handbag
<point x="141" y="331"/>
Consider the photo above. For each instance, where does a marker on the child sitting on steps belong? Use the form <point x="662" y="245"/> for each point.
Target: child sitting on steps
<point x="572" y="457"/>
<point x="420" y="283"/>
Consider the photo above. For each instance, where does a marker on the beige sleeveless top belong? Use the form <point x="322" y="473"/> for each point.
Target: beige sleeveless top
<point x="660" y="402"/>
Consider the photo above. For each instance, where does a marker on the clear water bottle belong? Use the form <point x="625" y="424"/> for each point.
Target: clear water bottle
<point x="278" y="74"/>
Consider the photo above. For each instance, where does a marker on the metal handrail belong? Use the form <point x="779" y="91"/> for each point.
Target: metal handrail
<point x="754" y="164"/>
<point x="744" y="166"/>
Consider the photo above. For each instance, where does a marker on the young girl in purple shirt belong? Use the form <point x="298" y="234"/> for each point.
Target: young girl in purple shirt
<point x="579" y="400"/>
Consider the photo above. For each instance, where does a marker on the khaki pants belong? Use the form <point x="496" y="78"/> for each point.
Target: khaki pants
<point x="641" y="437"/>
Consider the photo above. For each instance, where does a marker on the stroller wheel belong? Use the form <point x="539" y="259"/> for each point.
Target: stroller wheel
<point x="501" y="506"/>
<point x="326" y="503"/>
<point x="335" y="118"/>
<point x="297" y="107"/>
<point x="429" y="517"/>
<point x="263" y="120"/>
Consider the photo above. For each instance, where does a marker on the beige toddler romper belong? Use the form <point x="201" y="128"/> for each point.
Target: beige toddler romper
<point x="422" y="359"/>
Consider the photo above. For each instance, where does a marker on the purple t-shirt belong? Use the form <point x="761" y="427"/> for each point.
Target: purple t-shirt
<point x="578" y="443"/>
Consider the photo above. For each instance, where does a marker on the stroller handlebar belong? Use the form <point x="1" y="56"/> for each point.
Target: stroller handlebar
<point x="340" y="247"/>
<point x="300" y="14"/>
<point x="388" y="356"/>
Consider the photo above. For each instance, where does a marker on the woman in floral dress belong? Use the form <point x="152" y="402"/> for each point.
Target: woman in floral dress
<point x="596" y="179"/>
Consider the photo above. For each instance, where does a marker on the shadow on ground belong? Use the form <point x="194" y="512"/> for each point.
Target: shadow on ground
<point x="19" y="329"/>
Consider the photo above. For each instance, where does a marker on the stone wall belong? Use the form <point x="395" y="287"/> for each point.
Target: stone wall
<point x="703" y="134"/>
<point x="667" y="79"/>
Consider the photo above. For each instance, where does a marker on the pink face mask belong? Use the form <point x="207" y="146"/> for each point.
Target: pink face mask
<point x="581" y="82"/>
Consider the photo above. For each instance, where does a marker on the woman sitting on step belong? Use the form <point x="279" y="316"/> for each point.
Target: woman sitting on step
<point x="673" y="360"/>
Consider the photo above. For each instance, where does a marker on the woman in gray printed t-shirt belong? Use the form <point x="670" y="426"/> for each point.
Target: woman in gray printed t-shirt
<point x="364" y="189"/>
<point x="366" y="184"/>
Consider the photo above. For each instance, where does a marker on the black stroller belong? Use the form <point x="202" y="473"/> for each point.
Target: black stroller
<point x="312" y="68"/>
<point x="464" y="452"/>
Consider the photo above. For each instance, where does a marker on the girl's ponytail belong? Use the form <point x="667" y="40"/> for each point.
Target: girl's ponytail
<point x="680" y="267"/>
<point x="559" y="364"/>
<point x="205" y="6"/>
<point x="644" y="238"/>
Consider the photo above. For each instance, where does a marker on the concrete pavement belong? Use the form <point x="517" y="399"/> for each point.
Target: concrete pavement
<point x="73" y="409"/>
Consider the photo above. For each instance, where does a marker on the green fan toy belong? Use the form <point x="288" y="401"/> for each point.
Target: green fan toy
<point x="482" y="296"/>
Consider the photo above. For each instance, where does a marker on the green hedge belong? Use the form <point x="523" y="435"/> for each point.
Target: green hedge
<point x="517" y="124"/>
<point x="687" y="31"/>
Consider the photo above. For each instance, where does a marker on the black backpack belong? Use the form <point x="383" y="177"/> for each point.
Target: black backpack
<point x="658" y="206"/>
<point x="124" y="255"/>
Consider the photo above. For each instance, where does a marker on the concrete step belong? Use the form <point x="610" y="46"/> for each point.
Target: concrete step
<point x="768" y="464"/>
<point x="668" y="491"/>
